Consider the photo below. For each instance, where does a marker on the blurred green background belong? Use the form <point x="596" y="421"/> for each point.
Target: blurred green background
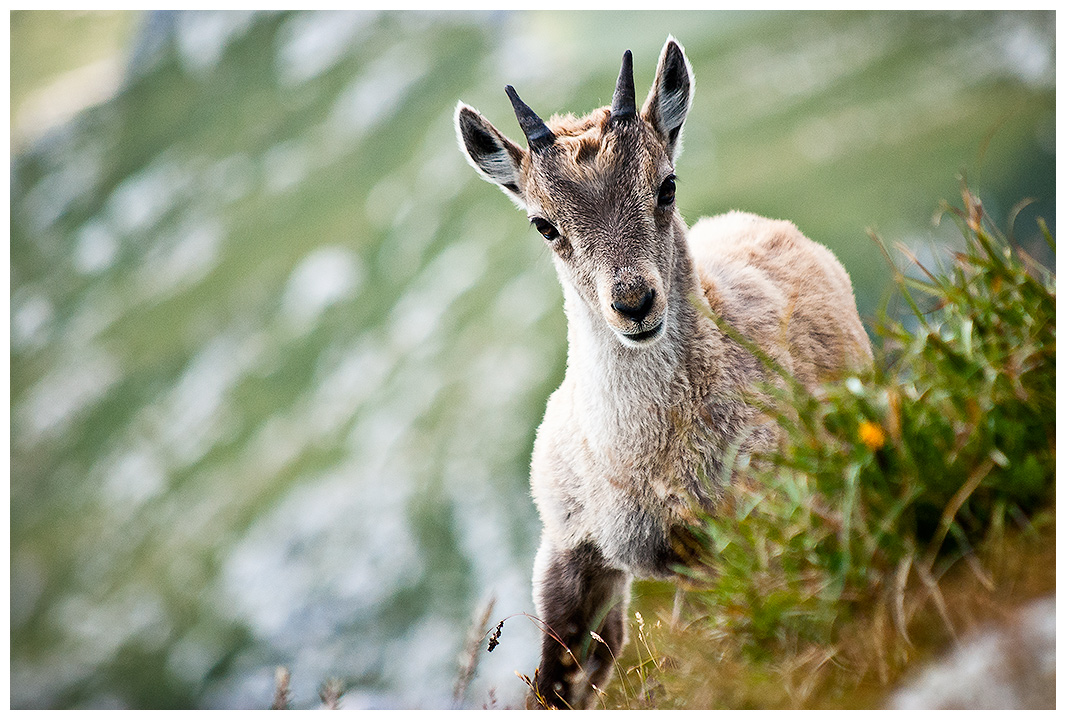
<point x="278" y="355"/>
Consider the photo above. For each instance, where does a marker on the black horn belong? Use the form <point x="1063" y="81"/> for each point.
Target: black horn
<point x="624" y="104"/>
<point x="537" y="133"/>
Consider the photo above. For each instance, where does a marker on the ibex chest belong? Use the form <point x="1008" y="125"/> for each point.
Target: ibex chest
<point x="626" y="485"/>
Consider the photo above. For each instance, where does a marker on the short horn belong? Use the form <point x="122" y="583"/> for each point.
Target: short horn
<point x="624" y="104"/>
<point x="537" y="133"/>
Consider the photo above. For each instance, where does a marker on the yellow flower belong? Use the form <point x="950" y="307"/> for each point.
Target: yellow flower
<point x="871" y="435"/>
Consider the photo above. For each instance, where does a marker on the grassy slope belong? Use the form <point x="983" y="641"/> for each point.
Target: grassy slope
<point x="683" y="666"/>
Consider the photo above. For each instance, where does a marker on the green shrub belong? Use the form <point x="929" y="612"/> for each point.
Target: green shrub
<point x="899" y="473"/>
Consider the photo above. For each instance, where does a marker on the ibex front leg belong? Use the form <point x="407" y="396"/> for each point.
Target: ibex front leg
<point x="576" y="593"/>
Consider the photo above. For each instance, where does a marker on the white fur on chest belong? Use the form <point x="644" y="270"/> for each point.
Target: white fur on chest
<point x="622" y="454"/>
<point x="625" y="497"/>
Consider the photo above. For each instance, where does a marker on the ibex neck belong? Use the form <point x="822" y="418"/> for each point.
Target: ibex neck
<point x="620" y="386"/>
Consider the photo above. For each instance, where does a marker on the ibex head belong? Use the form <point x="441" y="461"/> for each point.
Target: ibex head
<point x="600" y="189"/>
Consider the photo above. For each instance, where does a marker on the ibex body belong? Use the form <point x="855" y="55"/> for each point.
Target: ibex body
<point x="635" y="440"/>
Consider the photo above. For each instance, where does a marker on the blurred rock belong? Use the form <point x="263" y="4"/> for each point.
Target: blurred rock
<point x="1011" y="666"/>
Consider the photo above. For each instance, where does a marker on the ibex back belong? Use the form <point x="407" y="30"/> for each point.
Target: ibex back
<point x="634" y="441"/>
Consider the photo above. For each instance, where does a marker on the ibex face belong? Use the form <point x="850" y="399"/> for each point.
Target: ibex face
<point x="600" y="189"/>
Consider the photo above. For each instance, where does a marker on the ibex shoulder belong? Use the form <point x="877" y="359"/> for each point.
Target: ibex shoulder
<point x="780" y="287"/>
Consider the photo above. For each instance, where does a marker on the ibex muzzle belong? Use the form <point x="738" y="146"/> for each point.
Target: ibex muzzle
<point x="633" y="303"/>
<point x="656" y="396"/>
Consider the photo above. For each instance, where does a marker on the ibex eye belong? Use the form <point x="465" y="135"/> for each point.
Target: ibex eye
<point x="666" y="191"/>
<point x="545" y="228"/>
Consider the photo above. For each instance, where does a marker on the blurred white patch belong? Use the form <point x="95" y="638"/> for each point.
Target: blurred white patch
<point x="278" y="442"/>
<point x="1028" y="52"/>
<point x="202" y="36"/>
<point x="441" y="172"/>
<point x="344" y="387"/>
<point x="191" y="657"/>
<point x="95" y="248"/>
<point x="772" y="79"/>
<point x="58" y="669"/>
<point x="375" y="439"/>
<point x="414" y="320"/>
<point x="101" y="305"/>
<point x="142" y="199"/>
<point x="63" y="98"/>
<point x="231" y="178"/>
<point x="242" y="687"/>
<point x="53" y="194"/>
<point x="377" y="92"/>
<point x="285" y="165"/>
<point x="387" y="200"/>
<point x="74" y="383"/>
<point x="32" y="320"/>
<point x="500" y="375"/>
<point x="404" y="250"/>
<point x="816" y="140"/>
<point x="326" y="276"/>
<point x="311" y="43"/>
<point x="523" y="301"/>
<point x="532" y="59"/>
<point x="1009" y="667"/>
<point x="100" y="626"/>
<point x="425" y="650"/>
<point x="342" y="535"/>
<point x="421" y="310"/>
<point x="191" y="418"/>
<point x="130" y="478"/>
<point x="181" y="258"/>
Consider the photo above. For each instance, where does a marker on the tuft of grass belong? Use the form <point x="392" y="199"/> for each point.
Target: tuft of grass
<point x="897" y="501"/>
<point x="468" y="661"/>
<point x="282" y="694"/>
<point x="330" y="693"/>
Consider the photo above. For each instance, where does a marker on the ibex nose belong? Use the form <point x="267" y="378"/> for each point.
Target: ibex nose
<point x="635" y="309"/>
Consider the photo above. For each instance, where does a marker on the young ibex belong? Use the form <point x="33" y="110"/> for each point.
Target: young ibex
<point x="634" y="441"/>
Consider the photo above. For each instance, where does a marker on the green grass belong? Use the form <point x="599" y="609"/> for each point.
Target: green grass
<point x="901" y="507"/>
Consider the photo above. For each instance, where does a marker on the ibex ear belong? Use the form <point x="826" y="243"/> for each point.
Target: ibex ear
<point x="670" y="96"/>
<point x="496" y="158"/>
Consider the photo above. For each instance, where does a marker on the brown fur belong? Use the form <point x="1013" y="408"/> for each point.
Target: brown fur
<point x="634" y="442"/>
